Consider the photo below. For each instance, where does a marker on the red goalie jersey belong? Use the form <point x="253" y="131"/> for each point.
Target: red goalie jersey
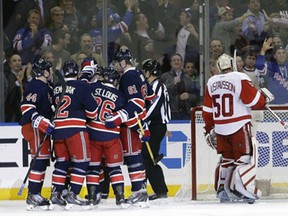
<point x="228" y="101"/>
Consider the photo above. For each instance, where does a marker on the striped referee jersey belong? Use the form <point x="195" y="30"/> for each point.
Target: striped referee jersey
<point x="159" y="111"/>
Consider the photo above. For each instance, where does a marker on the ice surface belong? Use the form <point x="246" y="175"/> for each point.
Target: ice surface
<point x="163" y="207"/>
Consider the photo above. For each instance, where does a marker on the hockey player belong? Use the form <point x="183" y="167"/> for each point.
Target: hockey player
<point x="158" y="115"/>
<point x="36" y="109"/>
<point x="136" y="91"/>
<point x="106" y="141"/>
<point x="71" y="140"/>
<point x="228" y="100"/>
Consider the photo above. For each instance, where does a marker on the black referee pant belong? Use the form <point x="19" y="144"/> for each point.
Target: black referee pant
<point x="154" y="173"/>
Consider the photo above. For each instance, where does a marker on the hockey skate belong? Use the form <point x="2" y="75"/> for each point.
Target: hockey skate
<point x="120" y="200"/>
<point x="158" y="196"/>
<point x="242" y="198"/>
<point x="57" y="200"/>
<point x="139" y="198"/>
<point x="93" y="197"/>
<point x="37" y="202"/>
<point x="223" y="196"/>
<point x="74" y="202"/>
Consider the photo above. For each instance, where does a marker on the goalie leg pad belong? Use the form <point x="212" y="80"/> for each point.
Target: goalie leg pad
<point x="225" y="170"/>
<point x="243" y="179"/>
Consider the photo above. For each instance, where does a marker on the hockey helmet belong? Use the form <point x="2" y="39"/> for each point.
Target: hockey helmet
<point x="224" y="62"/>
<point x="152" y="66"/>
<point x="70" y="69"/>
<point x="89" y="66"/>
<point x="110" y="75"/>
<point x="123" y="54"/>
<point x="40" y="66"/>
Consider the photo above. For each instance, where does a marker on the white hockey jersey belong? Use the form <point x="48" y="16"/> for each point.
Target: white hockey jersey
<point x="228" y="101"/>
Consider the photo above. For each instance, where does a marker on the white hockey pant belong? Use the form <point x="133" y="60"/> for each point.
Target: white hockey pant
<point x="243" y="178"/>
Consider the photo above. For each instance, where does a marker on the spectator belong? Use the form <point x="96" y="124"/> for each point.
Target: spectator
<point x="72" y="21"/>
<point x="166" y="11"/>
<point x="56" y="20"/>
<point x="187" y="37"/>
<point x="29" y="40"/>
<point x="190" y="69"/>
<point x="250" y="69"/>
<point x="117" y="27"/>
<point x="180" y="88"/>
<point x="253" y="26"/>
<point x="276" y="71"/>
<point x="17" y="77"/>
<point x="61" y="40"/>
<point x="239" y="63"/>
<point x="143" y="39"/>
<point x="48" y="56"/>
<point x="214" y="12"/>
<point x="79" y="59"/>
<point x="86" y="46"/>
<point x="226" y="27"/>
<point x="216" y="49"/>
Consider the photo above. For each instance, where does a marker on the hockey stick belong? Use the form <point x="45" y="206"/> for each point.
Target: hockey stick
<point x="277" y="117"/>
<point x="155" y="161"/>
<point x="33" y="161"/>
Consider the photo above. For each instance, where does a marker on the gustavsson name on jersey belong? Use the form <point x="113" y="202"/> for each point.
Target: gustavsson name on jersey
<point x="222" y="85"/>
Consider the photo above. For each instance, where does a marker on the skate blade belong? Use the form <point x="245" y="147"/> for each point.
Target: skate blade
<point x="144" y="204"/>
<point x="74" y="207"/>
<point x="124" y="205"/>
<point x="56" y="207"/>
<point x="37" y="208"/>
<point x="93" y="206"/>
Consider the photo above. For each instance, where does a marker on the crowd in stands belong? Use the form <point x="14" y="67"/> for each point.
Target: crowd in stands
<point x="59" y="30"/>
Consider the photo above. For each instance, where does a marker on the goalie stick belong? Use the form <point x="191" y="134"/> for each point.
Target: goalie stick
<point x="155" y="161"/>
<point x="33" y="161"/>
<point x="277" y="117"/>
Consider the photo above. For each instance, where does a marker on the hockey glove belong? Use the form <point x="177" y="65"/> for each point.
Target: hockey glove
<point x="42" y="124"/>
<point x="211" y="139"/>
<point x="145" y="134"/>
<point x="268" y="95"/>
<point x="117" y="118"/>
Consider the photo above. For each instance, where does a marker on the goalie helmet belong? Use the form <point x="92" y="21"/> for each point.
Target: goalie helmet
<point x="40" y="66"/>
<point x="224" y="62"/>
<point x="110" y="75"/>
<point x="89" y="66"/>
<point x="152" y="66"/>
<point x="70" y="69"/>
<point x="123" y="54"/>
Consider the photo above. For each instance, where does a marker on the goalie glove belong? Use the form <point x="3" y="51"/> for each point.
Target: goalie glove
<point x="268" y="95"/>
<point x="145" y="135"/>
<point x="42" y="124"/>
<point x="211" y="139"/>
<point x="116" y="118"/>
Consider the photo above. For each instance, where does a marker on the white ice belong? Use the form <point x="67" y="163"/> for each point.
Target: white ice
<point x="164" y="207"/>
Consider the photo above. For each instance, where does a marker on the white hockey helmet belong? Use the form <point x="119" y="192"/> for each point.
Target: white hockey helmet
<point x="224" y="62"/>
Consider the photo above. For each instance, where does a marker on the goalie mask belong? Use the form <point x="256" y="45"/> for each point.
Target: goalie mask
<point x="89" y="68"/>
<point x="225" y="62"/>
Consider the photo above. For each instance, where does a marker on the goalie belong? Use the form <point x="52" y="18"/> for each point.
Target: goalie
<point x="227" y="105"/>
